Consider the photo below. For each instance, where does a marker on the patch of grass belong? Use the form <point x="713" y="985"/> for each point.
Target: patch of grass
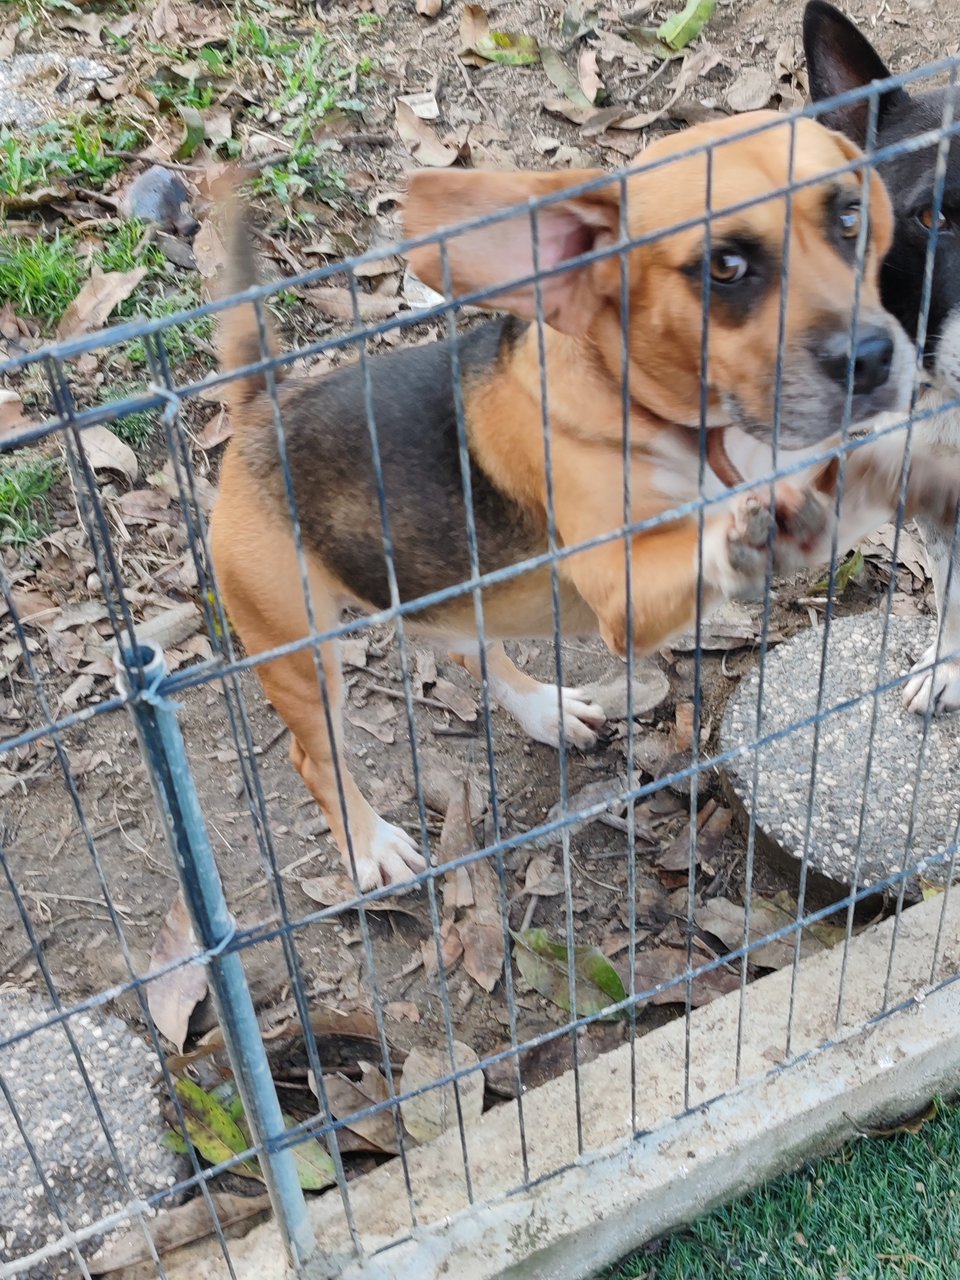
<point x="879" y="1210"/>
<point x="63" y="151"/>
<point x="44" y="276"/>
<point x="179" y="340"/>
<point x="24" y="482"/>
<point x="127" y="246"/>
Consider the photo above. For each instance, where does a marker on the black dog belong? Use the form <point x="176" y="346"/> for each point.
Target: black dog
<point x="840" y="58"/>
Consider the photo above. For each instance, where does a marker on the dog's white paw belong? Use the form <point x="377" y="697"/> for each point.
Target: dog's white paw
<point x="938" y="687"/>
<point x="391" y="857"/>
<point x="538" y="714"/>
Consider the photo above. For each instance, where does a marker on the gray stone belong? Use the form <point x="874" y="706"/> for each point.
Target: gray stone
<point x="55" y="1107"/>
<point x="853" y="827"/>
<point x="37" y="87"/>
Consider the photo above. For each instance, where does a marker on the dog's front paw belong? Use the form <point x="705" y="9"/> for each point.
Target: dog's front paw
<point x="735" y="549"/>
<point x="390" y="857"/>
<point x="933" y="688"/>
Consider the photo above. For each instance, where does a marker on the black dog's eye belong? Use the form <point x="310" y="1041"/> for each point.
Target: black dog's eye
<point x="850" y="217"/>
<point x="727" y="267"/>
<point x="925" y="218"/>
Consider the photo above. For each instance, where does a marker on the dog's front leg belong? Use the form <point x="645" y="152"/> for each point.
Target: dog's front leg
<point x="666" y="565"/>
<point x="929" y="687"/>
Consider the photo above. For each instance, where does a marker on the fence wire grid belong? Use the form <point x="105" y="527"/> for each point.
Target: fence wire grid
<point x="223" y="798"/>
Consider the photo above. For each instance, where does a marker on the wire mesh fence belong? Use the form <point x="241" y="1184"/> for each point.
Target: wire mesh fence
<point x="546" y="902"/>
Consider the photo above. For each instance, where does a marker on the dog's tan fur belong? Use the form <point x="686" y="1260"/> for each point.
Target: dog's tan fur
<point x="252" y="541"/>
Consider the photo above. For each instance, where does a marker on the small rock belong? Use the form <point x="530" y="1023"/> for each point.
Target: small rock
<point x="159" y="197"/>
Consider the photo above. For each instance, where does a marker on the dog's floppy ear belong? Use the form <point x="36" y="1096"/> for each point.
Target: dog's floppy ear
<point x="502" y="253"/>
<point x="840" y="58"/>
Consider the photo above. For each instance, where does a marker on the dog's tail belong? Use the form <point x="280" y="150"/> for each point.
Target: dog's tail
<point x="245" y="334"/>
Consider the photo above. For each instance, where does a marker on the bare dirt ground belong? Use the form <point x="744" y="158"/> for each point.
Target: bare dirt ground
<point x="494" y="116"/>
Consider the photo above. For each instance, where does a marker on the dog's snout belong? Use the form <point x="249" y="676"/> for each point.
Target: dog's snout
<point x="872" y="359"/>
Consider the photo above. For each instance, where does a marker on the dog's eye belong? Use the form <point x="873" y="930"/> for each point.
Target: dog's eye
<point x="727" y="267"/>
<point x="925" y="218"/>
<point x="850" y="221"/>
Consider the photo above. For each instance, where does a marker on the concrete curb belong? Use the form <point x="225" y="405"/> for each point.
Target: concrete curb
<point x="587" y="1211"/>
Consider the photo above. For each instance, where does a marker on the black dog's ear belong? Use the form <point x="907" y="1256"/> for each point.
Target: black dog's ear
<point x="840" y="58"/>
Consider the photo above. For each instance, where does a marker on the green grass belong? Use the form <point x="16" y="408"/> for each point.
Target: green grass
<point x="63" y="151"/>
<point x="24" y="483"/>
<point x="44" y="276"/>
<point x="881" y="1209"/>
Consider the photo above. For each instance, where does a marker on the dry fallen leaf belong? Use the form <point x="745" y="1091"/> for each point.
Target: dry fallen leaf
<point x="216" y="431"/>
<point x="375" y="719"/>
<point x="173" y="997"/>
<point x="172" y="1228"/>
<point x="423" y="105"/>
<point x="589" y="74"/>
<point x="104" y="291"/>
<point x="429" y="8"/>
<point x="429" y="1114"/>
<point x="346" y="1098"/>
<point x="460" y="703"/>
<point x="662" y="964"/>
<point x="421" y="140"/>
<point x="337" y="303"/>
<point x="107" y="452"/>
<point x="12" y="417"/>
<point x="208" y="250"/>
<point x="751" y="90"/>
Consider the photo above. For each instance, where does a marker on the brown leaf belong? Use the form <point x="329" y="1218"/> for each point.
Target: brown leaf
<point x="684" y="725"/>
<point x="375" y="720"/>
<point x="171" y="626"/>
<point x="104" y="291"/>
<point x="424" y="105"/>
<point x="66" y="649"/>
<point x="421" y="140"/>
<point x="347" y="1098"/>
<point x="482" y="951"/>
<point x="173" y="1228"/>
<point x="12" y="417"/>
<point x="208" y="250"/>
<point x="451" y="949"/>
<point x="713" y="827"/>
<point x="337" y="888"/>
<point x="144" y="504"/>
<point x="751" y="90"/>
<point x="86" y="761"/>
<point x="474" y="28"/>
<point x="456" y="840"/>
<point x="429" y="8"/>
<point x="429" y="1114"/>
<point x="588" y="73"/>
<point x="542" y="877"/>
<point x="74" y="694"/>
<point x="216" y="430"/>
<point x="695" y="64"/>
<point x="402" y="1009"/>
<point x="167" y="481"/>
<point x="661" y="964"/>
<point x="460" y="703"/>
<point x="107" y="452"/>
<point x="32" y="606"/>
<point x="338" y="304"/>
<point x="173" y="997"/>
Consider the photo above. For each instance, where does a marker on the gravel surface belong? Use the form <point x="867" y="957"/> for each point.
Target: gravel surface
<point x="36" y="87"/>
<point x="55" y="1108"/>
<point x="902" y="770"/>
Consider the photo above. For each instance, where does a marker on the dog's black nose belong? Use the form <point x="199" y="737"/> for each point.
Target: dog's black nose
<point x="872" y="358"/>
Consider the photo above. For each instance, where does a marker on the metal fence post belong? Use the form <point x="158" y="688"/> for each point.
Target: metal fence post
<point x="141" y="677"/>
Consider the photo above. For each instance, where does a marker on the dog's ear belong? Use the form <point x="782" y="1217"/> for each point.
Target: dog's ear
<point x="503" y="252"/>
<point x="840" y="58"/>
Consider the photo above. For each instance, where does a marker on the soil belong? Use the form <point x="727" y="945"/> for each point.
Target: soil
<point x="58" y="871"/>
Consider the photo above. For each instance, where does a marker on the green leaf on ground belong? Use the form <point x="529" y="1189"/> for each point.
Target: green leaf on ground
<point x="679" y="29"/>
<point x="544" y="965"/>
<point x="195" y="130"/>
<point x="211" y="1130"/>
<point x="509" y="48"/>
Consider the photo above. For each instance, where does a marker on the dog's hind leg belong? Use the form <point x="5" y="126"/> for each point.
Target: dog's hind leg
<point x="939" y="687"/>
<point x="260" y="582"/>
<point x="535" y="706"/>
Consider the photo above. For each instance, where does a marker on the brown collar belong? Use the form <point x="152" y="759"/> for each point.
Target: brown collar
<point x="723" y="468"/>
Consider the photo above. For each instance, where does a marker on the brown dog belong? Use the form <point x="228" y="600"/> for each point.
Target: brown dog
<point x="327" y="443"/>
